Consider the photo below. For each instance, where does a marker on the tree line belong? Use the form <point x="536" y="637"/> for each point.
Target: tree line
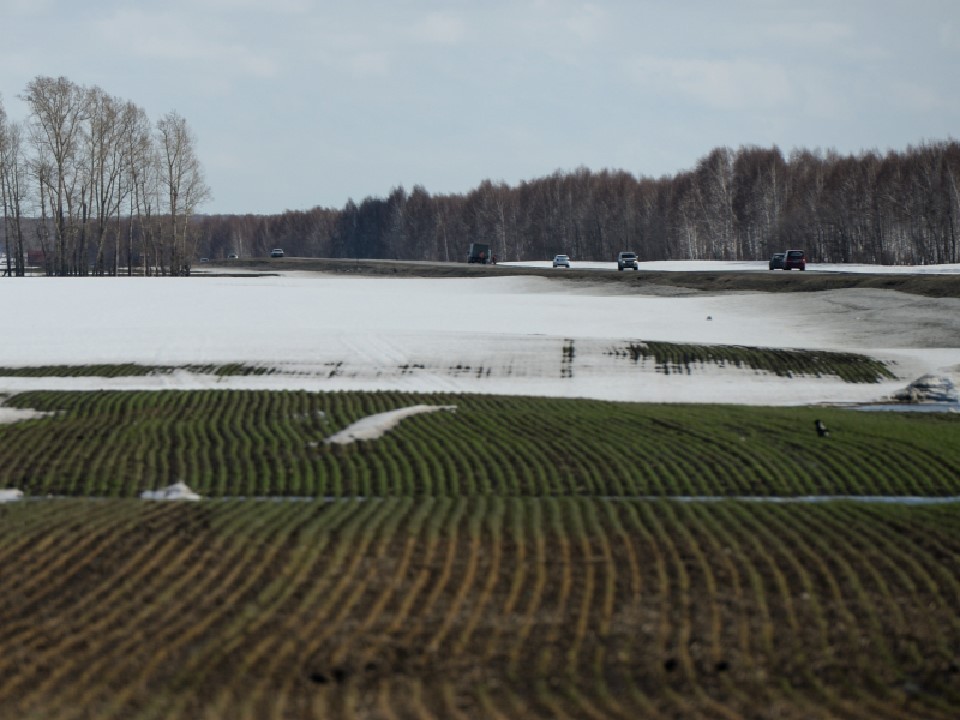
<point x="88" y="180"/>
<point x="91" y="183"/>
<point x="893" y="208"/>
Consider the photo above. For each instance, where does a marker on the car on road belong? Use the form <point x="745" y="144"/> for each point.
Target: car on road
<point x="776" y="262"/>
<point x="627" y="260"/>
<point x="233" y="256"/>
<point x="276" y="253"/>
<point x="203" y="259"/>
<point x="561" y="261"/>
<point x="795" y="259"/>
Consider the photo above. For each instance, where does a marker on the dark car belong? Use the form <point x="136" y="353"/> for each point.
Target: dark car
<point x="795" y="259"/>
<point x="561" y="261"/>
<point x="627" y="260"/>
<point x="776" y="262"/>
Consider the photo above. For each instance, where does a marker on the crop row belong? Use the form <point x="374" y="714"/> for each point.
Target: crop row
<point x="131" y="370"/>
<point x="672" y="358"/>
<point x="257" y="443"/>
<point x="478" y="607"/>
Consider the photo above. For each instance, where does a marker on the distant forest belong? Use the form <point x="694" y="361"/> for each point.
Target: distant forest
<point x="898" y="208"/>
<point x="89" y="185"/>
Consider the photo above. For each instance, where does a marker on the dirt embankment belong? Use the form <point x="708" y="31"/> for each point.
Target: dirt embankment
<point x="928" y="285"/>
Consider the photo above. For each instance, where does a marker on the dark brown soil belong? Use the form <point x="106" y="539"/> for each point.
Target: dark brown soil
<point x="536" y="608"/>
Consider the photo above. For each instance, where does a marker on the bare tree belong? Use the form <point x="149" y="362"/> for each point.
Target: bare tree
<point x="182" y="179"/>
<point x="57" y="110"/>
<point x="14" y="186"/>
<point x="109" y="124"/>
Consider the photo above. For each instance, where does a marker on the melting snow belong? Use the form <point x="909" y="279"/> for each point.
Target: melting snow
<point x="10" y="495"/>
<point x="375" y="426"/>
<point x="177" y="491"/>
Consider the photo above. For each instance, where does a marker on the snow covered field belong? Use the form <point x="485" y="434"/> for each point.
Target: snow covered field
<point x="510" y="335"/>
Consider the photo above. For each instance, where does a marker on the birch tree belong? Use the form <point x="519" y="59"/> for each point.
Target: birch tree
<point x="182" y="180"/>
<point x="14" y="187"/>
<point x="57" y="111"/>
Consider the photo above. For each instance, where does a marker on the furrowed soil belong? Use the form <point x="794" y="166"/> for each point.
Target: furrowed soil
<point x="436" y="574"/>
<point x="478" y="607"/>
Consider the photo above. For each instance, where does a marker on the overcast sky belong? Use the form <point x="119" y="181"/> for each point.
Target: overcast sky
<point x="300" y="103"/>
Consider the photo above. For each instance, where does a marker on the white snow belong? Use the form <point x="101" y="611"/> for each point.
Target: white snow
<point x="10" y="495"/>
<point x="177" y="491"/>
<point x="375" y="426"/>
<point x="504" y="335"/>
<point x="12" y="415"/>
<point x="747" y="265"/>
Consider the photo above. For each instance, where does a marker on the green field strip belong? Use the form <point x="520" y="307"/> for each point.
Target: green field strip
<point x="863" y="626"/>
<point x="65" y="550"/>
<point x="346" y="578"/>
<point x="390" y="601"/>
<point x="931" y="536"/>
<point x="599" y="549"/>
<point x="248" y="443"/>
<point x="43" y="654"/>
<point x="679" y="358"/>
<point x="891" y="583"/>
<point x="161" y="581"/>
<point x="760" y="545"/>
<point x="184" y="584"/>
<point x="344" y="654"/>
<point x="249" y="651"/>
<point x="293" y="594"/>
<point x="527" y="614"/>
<point x="700" y="626"/>
<point x="237" y="627"/>
<point x="838" y="621"/>
<point x="930" y="585"/>
<point x="118" y="370"/>
<point x="515" y="536"/>
<point x="460" y="583"/>
<point x="440" y="585"/>
<point x="677" y="665"/>
<point x="731" y="662"/>
<point x="213" y="597"/>
<point x="558" y="579"/>
<point x="490" y="532"/>
<point x="652" y="621"/>
<point x="872" y="590"/>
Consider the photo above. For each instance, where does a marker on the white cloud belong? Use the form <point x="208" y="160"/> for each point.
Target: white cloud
<point x="718" y="84"/>
<point x="169" y="38"/>
<point x="369" y="64"/>
<point x="440" y="28"/>
<point x="588" y="23"/>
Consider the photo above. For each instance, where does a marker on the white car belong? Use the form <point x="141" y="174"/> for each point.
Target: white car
<point x="561" y="261"/>
<point x="276" y="252"/>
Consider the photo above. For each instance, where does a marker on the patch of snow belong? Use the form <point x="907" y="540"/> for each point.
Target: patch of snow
<point x="10" y="495"/>
<point x="375" y="426"/>
<point x="177" y="491"/>
<point x="494" y="335"/>
<point x="929" y="389"/>
<point x="748" y="266"/>
<point x="12" y="415"/>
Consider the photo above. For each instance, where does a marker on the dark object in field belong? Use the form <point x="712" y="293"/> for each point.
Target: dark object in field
<point x="821" y="428"/>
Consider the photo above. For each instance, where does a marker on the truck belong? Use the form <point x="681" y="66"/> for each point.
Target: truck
<point x="479" y="253"/>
